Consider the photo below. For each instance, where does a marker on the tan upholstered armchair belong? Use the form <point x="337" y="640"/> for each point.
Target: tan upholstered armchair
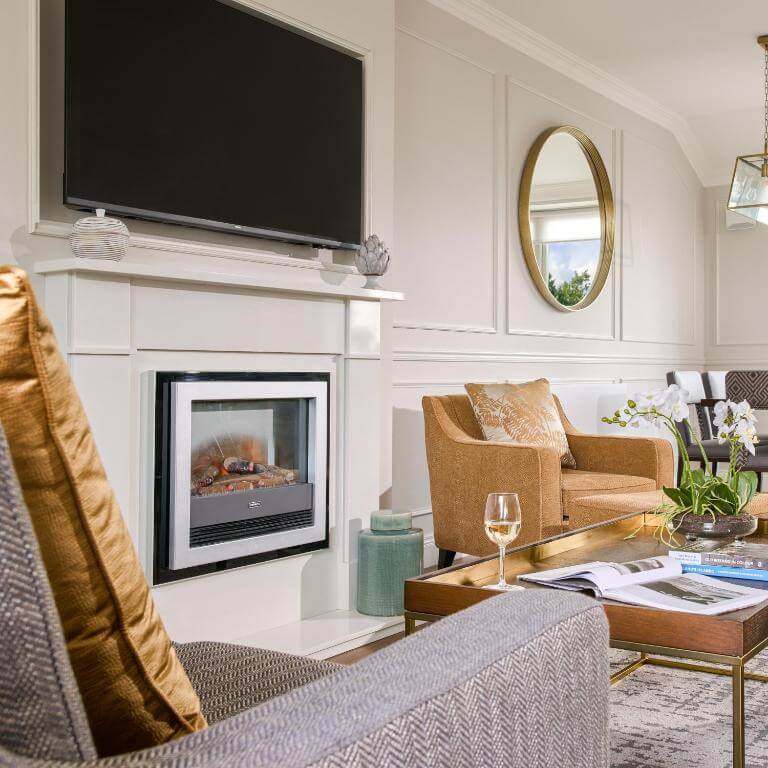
<point x="464" y="468"/>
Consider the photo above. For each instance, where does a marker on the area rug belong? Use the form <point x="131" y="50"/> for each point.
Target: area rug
<point x="664" y="718"/>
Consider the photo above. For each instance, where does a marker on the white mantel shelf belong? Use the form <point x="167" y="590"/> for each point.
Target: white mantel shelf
<point x="331" y="284"/>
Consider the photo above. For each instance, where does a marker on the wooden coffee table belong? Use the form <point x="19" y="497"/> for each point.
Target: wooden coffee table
<point x="661" y="638"/>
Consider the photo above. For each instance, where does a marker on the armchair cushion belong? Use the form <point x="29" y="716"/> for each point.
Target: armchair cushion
<point x="232" y="678"/>
<point x="135" y="691"/>
<point x="521" y="414"/>
<point x="577" y="484"/>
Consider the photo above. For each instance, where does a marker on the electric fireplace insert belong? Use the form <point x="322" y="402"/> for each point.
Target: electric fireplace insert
<point x="241" y="469"/>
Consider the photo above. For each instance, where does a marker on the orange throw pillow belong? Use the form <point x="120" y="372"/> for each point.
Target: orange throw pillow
<point x="135" y="691"/>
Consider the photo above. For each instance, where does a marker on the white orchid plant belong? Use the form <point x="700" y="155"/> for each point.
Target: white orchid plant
<point x="701" y="492"/>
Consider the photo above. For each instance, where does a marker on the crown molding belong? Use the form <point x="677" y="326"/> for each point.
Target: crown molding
<point x="497" y="24"/>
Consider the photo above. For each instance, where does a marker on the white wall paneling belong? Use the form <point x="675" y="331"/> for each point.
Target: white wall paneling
<point x="275" y="323"/>
<point x="592" y="362"/>
<point x="446" y="167"/>
<point x="740" y="266"/>
<point x="659" y="266"/>
<point x="103" y="382"/>
<point x="503" y="27"/>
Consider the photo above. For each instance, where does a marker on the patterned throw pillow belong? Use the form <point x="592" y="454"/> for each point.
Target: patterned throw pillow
<point x="521" y="414"/>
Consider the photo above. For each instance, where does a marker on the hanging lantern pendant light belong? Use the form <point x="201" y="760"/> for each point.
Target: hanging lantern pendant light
<point x="749" y="186"/>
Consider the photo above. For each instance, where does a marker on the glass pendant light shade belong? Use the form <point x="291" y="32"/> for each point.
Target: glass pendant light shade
<point x="749" y="186"/>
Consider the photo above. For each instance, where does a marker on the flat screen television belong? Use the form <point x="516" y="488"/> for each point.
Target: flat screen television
<point x="204" y="113"/>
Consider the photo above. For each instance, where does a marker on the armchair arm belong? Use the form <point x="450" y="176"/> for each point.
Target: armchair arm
<point x="460" y="692"/>
<point x="463" y="471"/>
<point x="640" y="456"/>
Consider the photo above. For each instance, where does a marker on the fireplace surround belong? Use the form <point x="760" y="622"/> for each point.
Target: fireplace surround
<point x="241" y="469"/>
<point x="119" y="323"/>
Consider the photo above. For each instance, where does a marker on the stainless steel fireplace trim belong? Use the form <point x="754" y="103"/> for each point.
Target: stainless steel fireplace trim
<point x="181" y="554"/>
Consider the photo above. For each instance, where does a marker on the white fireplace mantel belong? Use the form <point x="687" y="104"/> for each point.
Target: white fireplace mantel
<point x="118" y="322"/>
<point x="320" y="282"/>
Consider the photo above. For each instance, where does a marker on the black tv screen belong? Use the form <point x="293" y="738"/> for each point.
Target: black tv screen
<point x="200" y="112"/>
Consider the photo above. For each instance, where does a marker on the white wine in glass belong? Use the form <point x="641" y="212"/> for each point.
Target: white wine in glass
<point x="502" y="526"/>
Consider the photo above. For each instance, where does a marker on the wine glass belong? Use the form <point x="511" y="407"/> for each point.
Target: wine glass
<point x="502" y="525"/>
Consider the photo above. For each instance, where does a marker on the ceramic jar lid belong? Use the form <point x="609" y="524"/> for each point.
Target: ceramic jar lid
<point x="390" y="520"/>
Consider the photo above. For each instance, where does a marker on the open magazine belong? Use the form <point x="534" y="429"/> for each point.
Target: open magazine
<point x="657" y="582"/>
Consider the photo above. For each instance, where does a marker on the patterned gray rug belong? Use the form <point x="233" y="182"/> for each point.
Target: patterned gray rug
<point x="665" y="718"/>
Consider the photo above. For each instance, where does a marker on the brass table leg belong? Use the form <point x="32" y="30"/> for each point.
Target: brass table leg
<point x="738" y="714"/>
<point x="629" y="669"/>
<point x="410" y="625"/>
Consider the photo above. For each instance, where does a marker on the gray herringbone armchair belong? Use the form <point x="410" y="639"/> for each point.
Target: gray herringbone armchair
<point x="519" y="680"/>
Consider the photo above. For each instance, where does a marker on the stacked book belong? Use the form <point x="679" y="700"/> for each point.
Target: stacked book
<point x="726" y="560"/>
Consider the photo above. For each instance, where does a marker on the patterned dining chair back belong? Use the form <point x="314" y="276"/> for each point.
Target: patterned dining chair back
<point x="748" y="385"/>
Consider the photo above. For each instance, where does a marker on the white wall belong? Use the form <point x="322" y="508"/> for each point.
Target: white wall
<point x="468" y="109"/>
<point x="737" y="332"/>
<point x="14" y="87"/>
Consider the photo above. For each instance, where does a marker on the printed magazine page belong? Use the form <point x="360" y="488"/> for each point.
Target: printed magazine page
<point x="599" y="576"/>
<point x="691" y="593"/>
<point x="656" y="582"/>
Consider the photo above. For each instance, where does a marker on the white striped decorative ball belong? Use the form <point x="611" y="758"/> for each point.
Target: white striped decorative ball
<point x="99" y="237"/>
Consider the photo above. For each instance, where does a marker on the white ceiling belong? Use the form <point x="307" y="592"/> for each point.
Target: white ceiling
<point x="696" y="58"/>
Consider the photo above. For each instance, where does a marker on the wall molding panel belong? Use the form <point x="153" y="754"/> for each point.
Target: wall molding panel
<point x="495" y="212"/>
<point x="458" y="356"/>
<point x="635" y="224"/>
<point x="749" y="331"/>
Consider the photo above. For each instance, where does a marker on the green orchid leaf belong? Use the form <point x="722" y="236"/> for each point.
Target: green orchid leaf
<point x="724" y="499"/>
<point x="678" y="496"/>
<point x="746" y="487"/>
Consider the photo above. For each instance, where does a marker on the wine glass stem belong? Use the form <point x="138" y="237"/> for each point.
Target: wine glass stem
<point x="502" y="578"/>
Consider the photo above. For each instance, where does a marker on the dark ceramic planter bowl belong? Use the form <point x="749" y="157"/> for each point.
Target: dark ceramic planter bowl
<point x="714" y="527"/>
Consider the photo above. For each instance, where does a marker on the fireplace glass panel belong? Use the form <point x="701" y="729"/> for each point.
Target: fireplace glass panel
<point x="249" y="468"/>
<point x="241" y="445"/>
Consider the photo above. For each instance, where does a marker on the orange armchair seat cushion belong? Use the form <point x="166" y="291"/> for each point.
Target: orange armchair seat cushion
<point x="576" y="484"/>
<point x="135" y="691"/>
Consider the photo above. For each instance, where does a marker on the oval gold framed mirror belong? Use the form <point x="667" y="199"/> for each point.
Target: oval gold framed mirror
<point x="566" y="218"/>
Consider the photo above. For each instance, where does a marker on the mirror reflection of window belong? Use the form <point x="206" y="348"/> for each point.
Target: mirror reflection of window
<point x="564" y="219"/>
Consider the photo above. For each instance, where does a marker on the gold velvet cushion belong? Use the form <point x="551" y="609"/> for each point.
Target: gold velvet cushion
<point x="521" y="414"/>
<point x="135" y="691"/>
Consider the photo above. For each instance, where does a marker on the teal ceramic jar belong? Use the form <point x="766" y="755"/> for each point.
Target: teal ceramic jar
<point x="388" y="554"/>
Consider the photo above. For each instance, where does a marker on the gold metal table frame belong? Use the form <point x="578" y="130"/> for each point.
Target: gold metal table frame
<point x="658" y="655"/>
